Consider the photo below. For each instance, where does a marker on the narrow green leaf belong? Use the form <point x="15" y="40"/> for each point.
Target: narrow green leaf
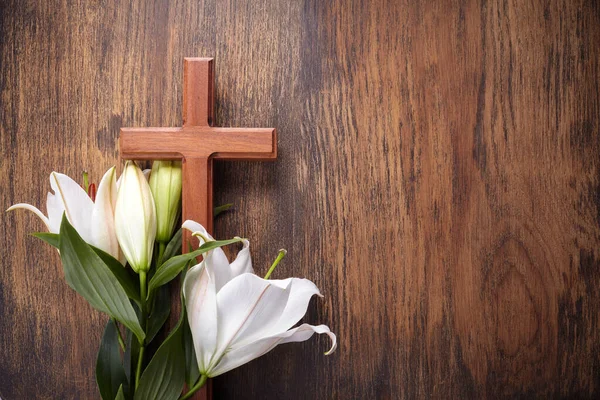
<point x="164" y="377"/>
<point x="173" y="266"/>
<point x="161" y="309"/>
<point x="130" y="358"/>
<point x="130" y="284"/>
<point x="174" y="247"/>
<point x="120" y="395"/>
<point x="218" y="210"/>
<point x="109" y="370"/>
<point x="191" y="364"/>
<point x="53" y="239"/>
<point x="89" y="276"/>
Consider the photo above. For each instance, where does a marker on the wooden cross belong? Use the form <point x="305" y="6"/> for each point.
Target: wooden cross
<point x="197" y="144"/>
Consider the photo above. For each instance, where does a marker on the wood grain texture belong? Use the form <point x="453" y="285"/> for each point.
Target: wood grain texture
<point x="438" y="178"/>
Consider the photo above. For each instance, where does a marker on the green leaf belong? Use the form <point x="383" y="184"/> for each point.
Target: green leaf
<point x="160" y="312"/>
<point x="164" y="377"/>
<point x="131" y="285"/>
<point x="120" y="395"/>
<point x="174" y="247"/>
<point x="173" y="266"/>
<point x="53" y="239"/>
<point x="218" y="210"/>
<point x="89" y="276"/>
<point x="130" y="358"/>
<point x="109" y="370"/>
<point x="191" y="364"/>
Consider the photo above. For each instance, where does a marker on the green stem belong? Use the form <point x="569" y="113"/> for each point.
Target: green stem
<point x="280" y="256"/>
<point x="161" y="251"/>
<point x="193" y="390"/>
<point x="143" y="293"/>
<point x="121" y="341"/>
<point x="138" y="370"/>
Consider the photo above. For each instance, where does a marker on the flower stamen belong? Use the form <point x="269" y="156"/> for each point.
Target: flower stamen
<point x="86" y="182"/>
<point x="92" y="192"/>
<point x="280" y="256"/>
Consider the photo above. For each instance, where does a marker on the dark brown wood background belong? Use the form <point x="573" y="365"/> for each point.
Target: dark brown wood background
<point x="438" y="178"/>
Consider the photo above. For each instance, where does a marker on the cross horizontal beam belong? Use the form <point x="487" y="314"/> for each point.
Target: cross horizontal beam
<point x="257" y="144"/>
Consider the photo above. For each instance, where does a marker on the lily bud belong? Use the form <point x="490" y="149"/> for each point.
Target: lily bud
<point x="135" y="218"/>
<point x="165" y="184"/>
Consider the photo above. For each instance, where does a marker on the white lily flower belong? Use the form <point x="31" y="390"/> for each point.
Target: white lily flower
<point x="135" y="218"/>
<point x="236" y="316"/>
<point x="94" y="221"/>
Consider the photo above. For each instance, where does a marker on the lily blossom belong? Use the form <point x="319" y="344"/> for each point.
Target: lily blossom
<point x="236" y="316"/>
<point x="94" y="221"/>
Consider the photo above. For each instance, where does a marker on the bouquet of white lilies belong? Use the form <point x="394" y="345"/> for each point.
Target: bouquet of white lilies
<point x="229" y="315"/>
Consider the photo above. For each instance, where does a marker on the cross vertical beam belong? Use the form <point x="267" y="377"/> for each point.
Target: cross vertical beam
<point x="198" y="110"/>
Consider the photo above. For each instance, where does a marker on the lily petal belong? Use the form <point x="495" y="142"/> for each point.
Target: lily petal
<point x="194" y="226"/>
<point x="201" y="304"/>
<point x="302" y="290"/>
<point x="55" y="210"/>
<point x="76" y="203"/>
<point x="243" y="262"/>
<point x="103" y="221"/>
<point x="33" y="209"/>
<point x="247" y="306"/>
<point x="146" y="173"/>
<point x="218" y="267"/>
<point x="300" y="293"/>
<point x="244" y="354"/>
<point x="216" y="260"/>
